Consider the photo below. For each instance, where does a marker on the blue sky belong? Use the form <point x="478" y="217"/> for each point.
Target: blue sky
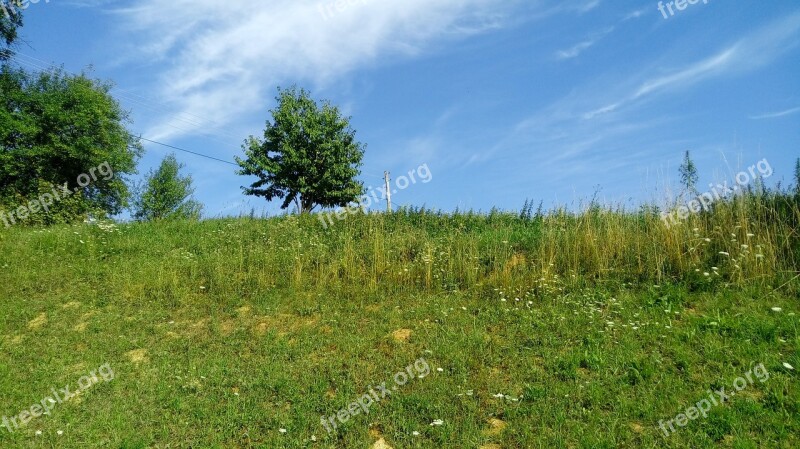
<point x="502" y="99"/>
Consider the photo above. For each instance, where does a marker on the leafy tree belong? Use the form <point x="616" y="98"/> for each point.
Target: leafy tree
<point x="10" y="21"/>
<point x="55" y="127"/>
<point x="309" y="155"/>
<point x="688" y="172"/>
<point x="165" y="194"/>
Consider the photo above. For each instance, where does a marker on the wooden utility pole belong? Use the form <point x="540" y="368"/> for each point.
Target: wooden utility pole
<point x="388" y="192"/>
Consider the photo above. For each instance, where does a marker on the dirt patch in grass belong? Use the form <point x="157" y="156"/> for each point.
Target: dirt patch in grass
<point x="496" y="426"/>
<point x="243" y="311"/>
<point x="636" y="427"/>
<point x="402" y="335"/>
<point x="227" y="327"/>
<point x="38" y="322"/>
<point x="381" y="444"/>
<point x="283" y="323"/>
<point x="137" y="355"/>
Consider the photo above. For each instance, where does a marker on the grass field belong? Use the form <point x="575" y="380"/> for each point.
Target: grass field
<point x="558" y="330"/>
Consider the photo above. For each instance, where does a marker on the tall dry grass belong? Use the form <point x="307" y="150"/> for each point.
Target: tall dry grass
<point x="750" y="241"/>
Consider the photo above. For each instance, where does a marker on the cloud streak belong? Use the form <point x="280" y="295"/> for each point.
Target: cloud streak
<point x="223" y="57"/>
<point x="609" y="117"/>
<point x="776" y="114"/>
<point x="579" y="48"/>
<point x="752" y="52"/>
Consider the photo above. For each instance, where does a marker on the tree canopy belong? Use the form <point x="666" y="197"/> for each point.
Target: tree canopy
<point x="166" y="194"/>
<point x="308" y="156"/>
<point x="54" y="127"/>
<point x="10" y="22"/>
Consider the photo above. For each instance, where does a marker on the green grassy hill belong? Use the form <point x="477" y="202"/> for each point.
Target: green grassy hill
<point x="559" y="330"/>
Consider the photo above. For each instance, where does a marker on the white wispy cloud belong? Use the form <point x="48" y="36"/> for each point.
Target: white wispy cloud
<point x="577" y="49"/>
<point x="221" y="60"/>
<point x="604" y="110"/>
<point x="588" y="6"/>
<point x="635" y="14"/>
<point x="689" y="75"/>
<point x="593" y="39"/>
<point x="754" y="51"/>
<point x="776" y="114"/>
<point x="605" y="116"/>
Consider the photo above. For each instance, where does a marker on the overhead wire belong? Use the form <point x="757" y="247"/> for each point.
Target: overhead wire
<point x="193" y="124"/>
<point x="44" y="66"/>
<point x="149" y="102"/>
<point x="186" y="151"/>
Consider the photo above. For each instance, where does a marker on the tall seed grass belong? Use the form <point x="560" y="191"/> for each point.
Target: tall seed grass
<point x="751" y="240"/>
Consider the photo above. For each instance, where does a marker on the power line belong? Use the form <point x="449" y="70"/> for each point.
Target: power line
<point x="43" y="69"/>
<point x="41" y="65"/>
<point x="187" y="151"/>
<point x="127" y="94"/>
<point x="146" y="103"/>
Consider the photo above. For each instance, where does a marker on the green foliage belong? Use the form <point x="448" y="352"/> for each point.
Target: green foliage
<point x="10" y="21"/>
<point x="68" y="209"/>
<point x="309" y="155"/>
<point x="688" y="172"/>
<point x="166" y="194"/>
<point x="55" y="127"/>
